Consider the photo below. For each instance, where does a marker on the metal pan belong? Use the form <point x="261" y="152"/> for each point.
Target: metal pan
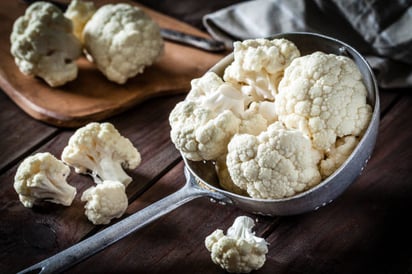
<point x="201" y="178"/>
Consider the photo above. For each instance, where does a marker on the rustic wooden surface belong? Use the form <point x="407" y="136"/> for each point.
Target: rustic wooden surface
<point x="366" y="230"/>
<point x="91" y="97"/>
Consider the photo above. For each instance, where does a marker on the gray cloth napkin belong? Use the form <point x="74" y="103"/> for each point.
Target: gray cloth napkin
<point x="380" y="30"/>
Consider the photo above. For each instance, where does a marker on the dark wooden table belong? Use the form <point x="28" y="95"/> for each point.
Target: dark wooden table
<point x="366" y="230"/>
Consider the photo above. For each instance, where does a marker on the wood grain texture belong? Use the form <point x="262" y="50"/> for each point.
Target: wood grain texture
<point x="365" y="230"/>
<point x="175" y="242"/>
<point x="91" y="97"/>
<point x="19" y="133"/>
<point x="30" y="235"/>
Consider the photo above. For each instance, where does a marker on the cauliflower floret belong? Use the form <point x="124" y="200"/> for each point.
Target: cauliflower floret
<point x="122" y="40"/>
<point x="257" y="117"/>
<point x="211" y="92"/>
<point x="200" y="133"/>
<point x="43" y="45"/>
<point x="240" y="251"/>
<point x="337" y="154"/>
<point x="80" y="12"/>
<point x="202" y="125"/>
<point x="105" y="202"/>
<point x="212" y="113"/>
<point x="42" y="177"/>
<point x="323" y="96"/>
<point x="275" y="164"/>
<point x="203" y="86"/>
<point x="99" y="150"/>
<point x="258" y="66"/>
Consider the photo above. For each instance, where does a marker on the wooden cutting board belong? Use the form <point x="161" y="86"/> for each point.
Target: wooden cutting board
<point x="91" y="97"/>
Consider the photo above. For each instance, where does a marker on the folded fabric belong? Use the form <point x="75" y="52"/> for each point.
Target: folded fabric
<point x="382" y="32"/>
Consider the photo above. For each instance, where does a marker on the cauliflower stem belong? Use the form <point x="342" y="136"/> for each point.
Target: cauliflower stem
<point x="102" y="168"/>
<point x="99" y="150"/>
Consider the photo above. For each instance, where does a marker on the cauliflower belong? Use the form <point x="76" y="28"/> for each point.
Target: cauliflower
<point x="98" y="149"/>
<point x="200" y="133"/>
<point x="258" y="66"/>
<point x="43" y="45"/>
<point x="42" y="177"/>
<point x="240" y="251"/>
<point x="202" y="127"/>
<point x="122" y="40"/>
<point x="79" y="12"/>
<point x="323" y="96"/>
<point x="277" y="123"/>
<point x="105" y="201"/>
<point x="275" y="164"/>
<point x="203" y="124"/>
<point x="257" y="117"/>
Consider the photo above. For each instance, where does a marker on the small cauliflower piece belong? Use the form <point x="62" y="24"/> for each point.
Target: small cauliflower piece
<point x="210" y="92"/>
<point x="201" y="133"/>
<point x="42" y="177"/>
<point x="79" y="12"/>
<point x="323" y="96"/>
<point x="258" y="66"/>
<point x="257" y="117"/>
<point x="122" y="40"/>
<point x="277" y="163"/>
<point x="239" y="251"/>
<point x="99" y="150"/>
<point x="202" y="125"/>
<point x="213" y="111"/>
<point x="43" y="45"/>
<point x="203" y="86"/>
<point x="105" y="202"/>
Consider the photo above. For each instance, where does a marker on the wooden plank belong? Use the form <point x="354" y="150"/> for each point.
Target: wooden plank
<point x="30" y="235"/>
<point x="19" y="133"/>
<point x="175" y="242"/>
<point x="91" y="96"/>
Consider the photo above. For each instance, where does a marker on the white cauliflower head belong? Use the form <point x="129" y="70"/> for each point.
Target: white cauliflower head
<point x="258" y="66"/>
<point x="213" y="111"/>
<point x="42" y="177"/>
<point x="79" y="12"/>
<point x="99" y="150"/>
<point x="323" y="96"/>
<point x="211" y="92"/>
<point x="239" y="251"/>
<point x="201" y="133"/>
<point x="105" y="202"/>
<point x="202" y="125"/>
<point x="122" y="40"/>
<point x="275" y="164"/>
<point x="43" y="45"/>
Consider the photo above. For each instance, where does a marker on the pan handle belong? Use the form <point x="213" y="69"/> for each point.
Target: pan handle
<point x="92" y="245"/>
